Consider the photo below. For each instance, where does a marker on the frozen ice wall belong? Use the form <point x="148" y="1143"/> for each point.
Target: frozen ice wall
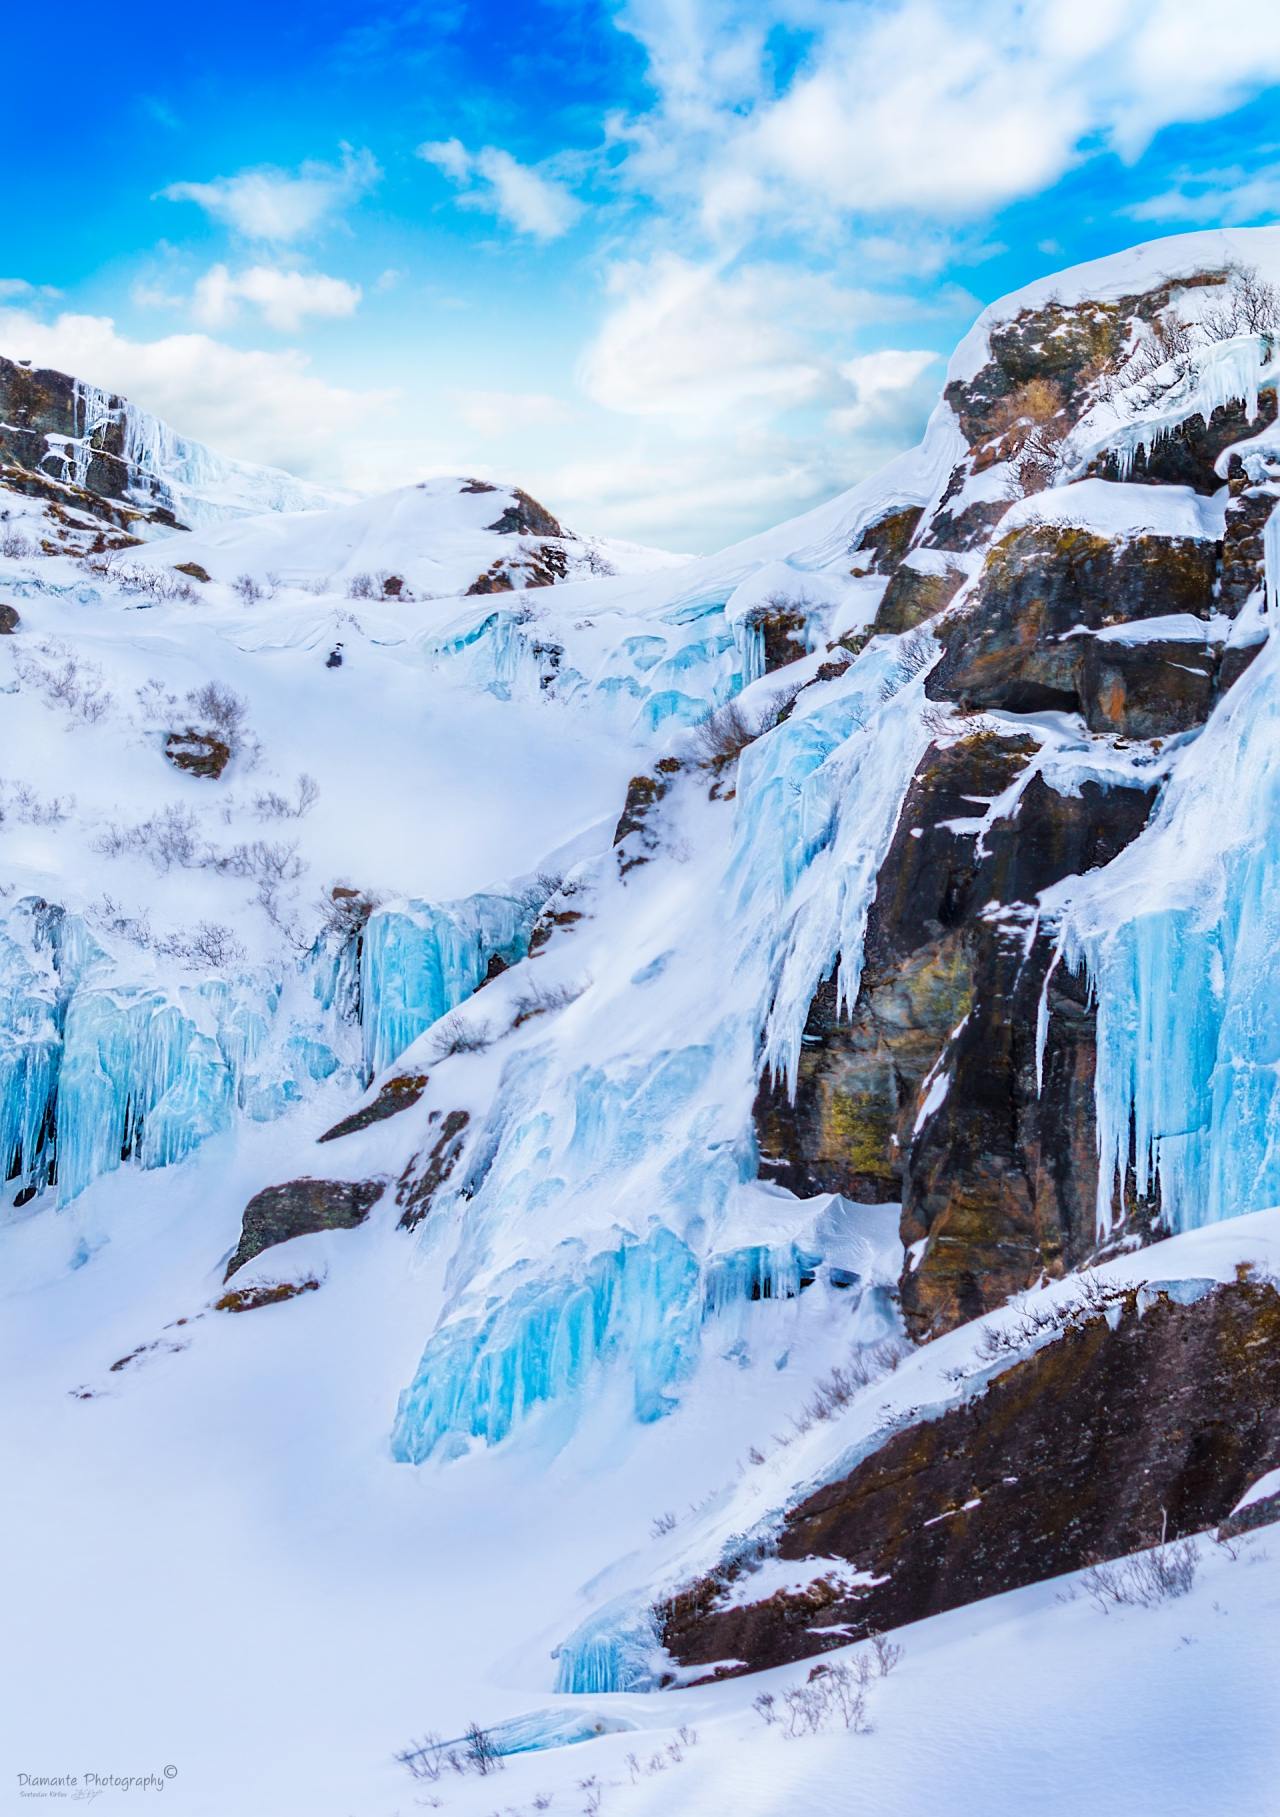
<point x="624" y="1178"/>
<point x="1181" y="938"/>
<point x="421" y="961"/>
<point x="647" y="672"/>
<point x="101" y="1063"/>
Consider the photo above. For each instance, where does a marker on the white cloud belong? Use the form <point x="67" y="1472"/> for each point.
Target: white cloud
<point x="272" y="204"/>
<point x="1227" y="198"/>
<point x="502" y="412"/>
<point x="19" y="287"/>
<point x="283" y="297"/>
<point x="523" y="197"/>
<point x="936" y="108"/>
<point x="889" y="389"/>
<point x="255" y="406"/>
<point x="686" y="341"/>
<point x="449" y="155"/>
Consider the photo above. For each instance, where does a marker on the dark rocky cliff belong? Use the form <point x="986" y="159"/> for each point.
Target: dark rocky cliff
<point x="998" y="1180"/>
<point x="66" y="442"/>
<point x="928" y="1089"/>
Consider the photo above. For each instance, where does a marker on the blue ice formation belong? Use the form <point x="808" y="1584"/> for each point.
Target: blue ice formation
<point x="760" y="1272"/>
<point x="1180" y="936"/>
<point x="481" y="1374"/>
<point x="656" y="1131"/>
<point x="422" y="960"/>
<point x="616" y="1649"/>
<point x="97" y="1069"/>
<point x="1181" y="939"/>
<point x="651" y="680"/>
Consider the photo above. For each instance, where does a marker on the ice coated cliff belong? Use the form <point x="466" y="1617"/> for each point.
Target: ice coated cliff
<point x="501" y="1031"/>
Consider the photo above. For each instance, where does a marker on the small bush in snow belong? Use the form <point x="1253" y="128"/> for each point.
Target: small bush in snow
<point x="221" y="711"/>
<point x="209" y="945"/>
<point x="363" y="586"/>
<point x="539" y="1002"/>
<point x="719" y="740"/>
<point x="25" y="805"/>
<point x="14" y="544"/>
<point x="1145" y="1579"/>
<point x="482" y="1755"/>
<point x="887" y="1653"/>
<point x="665" y="1523"/>
<point x="429" y="1758"/>
<point x="832" y="1693"/>
<point x="248" y="589"/>
<point x="65" y="679"/>
<point x="454" y="1035"/>
<point x="867" y="1363"/>
<point x="270" y="806"/>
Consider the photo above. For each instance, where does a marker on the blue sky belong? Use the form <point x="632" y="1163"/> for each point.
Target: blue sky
<point x="681" y="268"/>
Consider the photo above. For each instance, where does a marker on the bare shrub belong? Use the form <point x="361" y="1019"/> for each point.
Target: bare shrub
<point x="1165" y="355"/>
<point x="482" y="1755"/>
<point x="65" y="679"/>
<point x="363" y="586"/>
<point x="210" y="944"/>
<point x="665" y="1523"/>
<point x="539" y="1002"/>
<point x="1032" y="423"/>
<point x="454" y="1035"/>
<point x="888" y="1653"/>
<point x="1091" y="1298"/>
<point x="722" y="737"/>
<point x="248" y="589"/>
<point x="271" y="806"/>
<point x="157" y="704"/>
<point x="345" y="912"/>
<point x="265" y="862"/>
<point x="1251" y="306"/>
<point x="159" y="585"/>
<point x="24" y="805"/>
<point x="832" y="1691"/>
<point x="222" y="711"/>
<point x="1145" y="1579"/>
<point x="166" y="838"/>
<point x="867" y="1363"/>
<point x="14" y="544"/>
<point x="429" y="1758"/>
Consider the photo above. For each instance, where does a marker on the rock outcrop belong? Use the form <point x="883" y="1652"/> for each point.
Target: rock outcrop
<point x="300" y="1208"/>
<point x="1149" y="1423"/>
<point x="933" y="1087"/>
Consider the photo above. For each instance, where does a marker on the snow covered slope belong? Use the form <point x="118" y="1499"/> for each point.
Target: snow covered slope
<point x="484" y="914"/>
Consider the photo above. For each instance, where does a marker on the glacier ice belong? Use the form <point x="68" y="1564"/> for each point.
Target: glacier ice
<point x="661" y="1138"/>
<point x="422" y="960"/>
<point x="1180" y="936"/>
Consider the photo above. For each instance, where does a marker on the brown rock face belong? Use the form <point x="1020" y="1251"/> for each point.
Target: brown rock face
<point x="1080" y="1453"/>
<point x="199" y="753"/>
<point x="42" y="404"/>
<point x="525" y="518"/>
<point x="887" y="540"/>
<point x="999" y="1179"/>
<point x="395" y="1096"/>
<point x="911" y="597"/>
<point x="299" y="1209"/>
<point x="1019" y="646"/>
<point x="424" y="1176"/>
